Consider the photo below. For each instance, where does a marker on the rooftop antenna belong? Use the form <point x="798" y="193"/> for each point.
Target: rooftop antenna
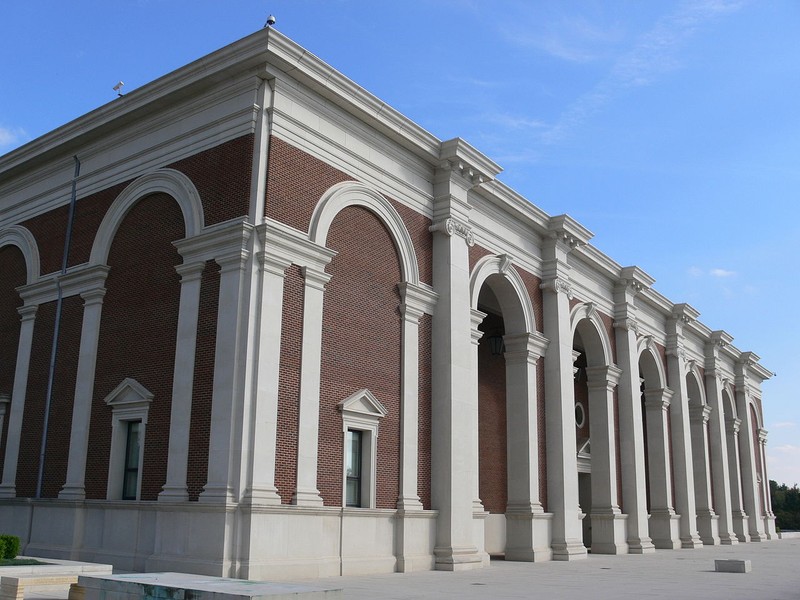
<point x="118" y="88"/>
<point x="270" y="21"/>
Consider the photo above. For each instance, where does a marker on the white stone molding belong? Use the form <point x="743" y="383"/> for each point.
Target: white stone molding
<point x="8" y="486"/>
<point x="415" y="301"/>
<point x="175" y="489"/>
<point x="515" y="302"/>
<point x="350" y="193"/>
<point x="646" y="344"/>
<point x="558" y="285"/>
<point x="452" y="227"/>
<point x="77" y="280"/>
<point x="74" y="487"/>
<point x="588" y="311"/>
<point x="738" y="513"/>
<point x="363" y="412"/>
<point x="19" y="236"/>
<point x="476" y="318"/>
<point x="129" y="401"/>
<point x="168" y="181"/>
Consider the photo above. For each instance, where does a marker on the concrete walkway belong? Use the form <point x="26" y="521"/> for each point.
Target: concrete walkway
<point x="685" y="574"/>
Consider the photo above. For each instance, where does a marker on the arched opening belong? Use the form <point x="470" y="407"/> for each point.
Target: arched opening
<point x="699" y="415"/>
<point x="508" y="348"/>
<point x="595" y="380"/>
<point x="732" y="425"/>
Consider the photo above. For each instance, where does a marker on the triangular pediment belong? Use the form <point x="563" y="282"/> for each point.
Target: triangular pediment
<point x="129" y="393"/>
<point x="364" y="404"/>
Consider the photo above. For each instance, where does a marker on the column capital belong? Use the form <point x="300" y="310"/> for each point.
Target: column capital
<point x="658" y="398"/>
<point x="191" y="271"/>
<point x="476" y="318"/>
<point x="557" y="285"/>
<point x="274" y="264"/>
<point x="528" y="347"/>
<point x="416" y="300"/>
<point x="232" y="261"/>
<point x="734" y="424"/>
<point x="451" y="226"/>
<point x="762" y="436"/>
<point x="315" y="278"/>
<point x="700" y="412"/>
<point x="27" y="312"/>
<point x="94" y="296"/>
<point x="607" y="376"/>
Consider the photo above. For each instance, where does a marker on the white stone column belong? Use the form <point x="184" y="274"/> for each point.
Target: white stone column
<point x="476" y="334"/>
<point x="664" y="522"/>
<point x="74" y="488"/>
<point x="738" y="515"/>
<point x="679" y="419"/>
<point x="182" y="383"/>
<point x="699" y="416"/>
<point x="718" y="443"/>
<point x="562" y="462"/>
<point x="225" y="399"/>
<point x="524" y="541"/>
<point x="769" y="516"/>
<point x="608" y="523"/>
<point x="8" y="487"/>
<point x="260" y="487"/>
<point x="748" y="450"/>
<point x="306" y="493"/>
<point x="631" y="430"/>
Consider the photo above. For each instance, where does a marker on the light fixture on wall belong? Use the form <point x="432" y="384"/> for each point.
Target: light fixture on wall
<point x="496" y="344"/>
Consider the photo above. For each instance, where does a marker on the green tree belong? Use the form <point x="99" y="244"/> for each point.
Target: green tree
<point x="785" y="505"/>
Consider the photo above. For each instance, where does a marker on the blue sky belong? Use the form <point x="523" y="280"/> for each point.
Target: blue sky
<point x="670" y="129"/>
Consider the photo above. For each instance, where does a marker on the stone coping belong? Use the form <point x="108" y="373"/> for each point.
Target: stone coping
<point x="55" y="566"/>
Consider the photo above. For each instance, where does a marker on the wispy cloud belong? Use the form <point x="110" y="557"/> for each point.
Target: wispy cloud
<point x="783" y="463"/>
<point x="721" y="273"/>
<point x="11" y="136"/>
<point x="783" y="425"/>
<point x="516" y="121"/>
<point x="654" y="54"/>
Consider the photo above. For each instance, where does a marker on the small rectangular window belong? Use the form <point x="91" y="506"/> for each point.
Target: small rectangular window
<point x="353" y="467"/>
<point x="130" y="480"/>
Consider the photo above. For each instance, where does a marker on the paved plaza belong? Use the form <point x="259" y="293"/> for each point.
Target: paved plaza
<point x="684" y="574"/>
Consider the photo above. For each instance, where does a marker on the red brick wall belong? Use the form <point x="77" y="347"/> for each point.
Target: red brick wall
<point x="361" y="336"/>
<point x="13" y="273"/>
<point x="202" y="391"/>
<point x="492" y="438"/>
<point x="220" y="174"/>
<point x="289" y="383"/>
<point x="60" y="420"/>
<point x="425" y="394"/>
<point x="137" y="335"/>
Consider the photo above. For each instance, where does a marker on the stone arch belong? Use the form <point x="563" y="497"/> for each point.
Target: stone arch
<point x="509" y="288"/>
<point x="753" y="405"/>
<point x="650" y="365"/>
<point x="694" y="386"/>
<point x="729" y="400"/>
<point x="168" y="181"/>
<point x="19" y="236"/>
<point x="351" y="193"/>
<point x="584" y="319"/>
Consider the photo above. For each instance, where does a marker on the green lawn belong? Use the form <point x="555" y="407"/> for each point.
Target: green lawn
<point x="19" y="562"/>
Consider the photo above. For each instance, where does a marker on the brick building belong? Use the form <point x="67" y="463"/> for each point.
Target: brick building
<point x="298" y="335"/>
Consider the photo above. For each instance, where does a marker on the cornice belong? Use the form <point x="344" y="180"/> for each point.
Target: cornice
<point x="458" y="155"/>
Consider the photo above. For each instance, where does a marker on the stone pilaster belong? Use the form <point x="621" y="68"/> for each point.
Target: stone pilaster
<point x="738" y="515"/>
<point x="8" y="486"/>
<point x="631" y="431"/>
<point x="679" y="418"/>
<point x="562" y="465"/>
<point x="699" y="416"/>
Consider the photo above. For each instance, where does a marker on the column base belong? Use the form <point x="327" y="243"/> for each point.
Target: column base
<point x="217" y="495"/>
<point x="8" y="491"/>
<point x="173" y="494"/>
<point x="307" y="498"/>
<point x="261" y="495"/>
<point x="740" y="525"/>
<point x="757" y="536"/>
<point x="665" y="529"/>
<point x="528" y="534"/>
<point x="728" y="540"/>
<point x="72" y="492"/>
<point x="569" y="550"/>
<point x="708" y="527"/>
<point x="410" y="503"/>
<point x="461" y="558"/>
<point x="609" y="532"/>
<point x="641" y="546"/>
<point x="769" y="527"/>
